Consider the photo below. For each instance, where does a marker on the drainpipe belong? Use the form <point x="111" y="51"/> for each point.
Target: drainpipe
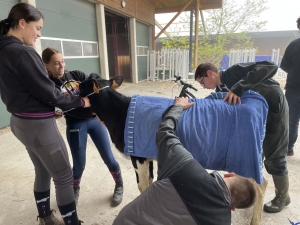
<point x="191" y="42"/>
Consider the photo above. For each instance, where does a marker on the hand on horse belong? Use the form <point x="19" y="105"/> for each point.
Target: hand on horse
<point x="184" y="102"/>
<point x="232" y="98"/>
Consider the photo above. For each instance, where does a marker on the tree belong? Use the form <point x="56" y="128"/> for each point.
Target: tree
<point x="226" y="28"/>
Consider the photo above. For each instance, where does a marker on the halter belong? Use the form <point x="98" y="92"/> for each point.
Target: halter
<point x="98" y="91"/>
<point x="88" y="96"/>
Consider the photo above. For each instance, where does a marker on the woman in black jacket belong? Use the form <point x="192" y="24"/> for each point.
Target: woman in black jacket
<point x="80" y="123"/>
<point x="31" y="98"/>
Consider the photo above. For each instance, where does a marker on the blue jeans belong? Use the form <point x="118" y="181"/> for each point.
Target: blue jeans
<point x="293" y="98"/>
<point x="77" y="139"/>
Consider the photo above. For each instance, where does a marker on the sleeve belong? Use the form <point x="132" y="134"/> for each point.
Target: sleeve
<point x="32" y="73"/>
<point x="287" y="58"/>
<point x="81" y="75"/>
<point x="171" y="154"/>
<point x="258" y="73"/>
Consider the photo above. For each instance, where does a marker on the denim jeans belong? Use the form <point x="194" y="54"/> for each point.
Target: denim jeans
<point x="77" y="138"/>
<point x="293" y="98"/>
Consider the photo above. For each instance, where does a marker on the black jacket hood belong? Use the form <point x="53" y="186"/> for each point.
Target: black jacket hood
<point x="6" y="40"/>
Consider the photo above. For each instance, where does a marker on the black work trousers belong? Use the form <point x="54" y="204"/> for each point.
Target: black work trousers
<point x="275" y="144"/>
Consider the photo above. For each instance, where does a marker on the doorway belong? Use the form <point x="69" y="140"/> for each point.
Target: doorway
<point x="118" y="48"/>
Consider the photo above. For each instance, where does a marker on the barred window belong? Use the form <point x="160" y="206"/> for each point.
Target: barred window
<point x="72" y="48"/>
<point x="142" y="50"/>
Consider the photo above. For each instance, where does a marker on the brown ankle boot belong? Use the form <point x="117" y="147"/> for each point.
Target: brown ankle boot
<point x="51" y="220"/>
<point x="118" y="194"/>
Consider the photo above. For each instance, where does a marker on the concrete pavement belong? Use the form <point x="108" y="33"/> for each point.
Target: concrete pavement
<point x="17" y="177"/>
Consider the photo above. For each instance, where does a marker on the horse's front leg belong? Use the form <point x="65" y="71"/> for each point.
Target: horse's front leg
<point x="141" y="167"/>
<point x="151" y="175"/>
<point x="258" y="205"/>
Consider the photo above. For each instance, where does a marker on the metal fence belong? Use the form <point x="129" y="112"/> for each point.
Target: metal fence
<point x="248" y="55"/>
<point x="241" y="56"/>
<point x="276" y="56"/>
<point x="165" y="64"/>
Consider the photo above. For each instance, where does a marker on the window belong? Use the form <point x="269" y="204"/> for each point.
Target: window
<point x="51" y="44"/>
<point x="89" y="49"/>
<point x="142" y="50"/>
<point x="72" y="48"/>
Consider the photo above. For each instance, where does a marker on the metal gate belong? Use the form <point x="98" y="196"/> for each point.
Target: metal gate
<point x="241" y="56"/>
<point x="164" y="64"/>
<point x="275" y="56"/>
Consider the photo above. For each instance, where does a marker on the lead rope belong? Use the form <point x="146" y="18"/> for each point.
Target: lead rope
<point x="86" y="96"/>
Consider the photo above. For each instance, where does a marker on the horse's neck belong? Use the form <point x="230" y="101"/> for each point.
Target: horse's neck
<point x="116" y="110"/>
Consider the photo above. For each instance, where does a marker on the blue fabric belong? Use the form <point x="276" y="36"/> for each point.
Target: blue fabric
<point x="225" y="60"/>
<point x="219" y="136"/>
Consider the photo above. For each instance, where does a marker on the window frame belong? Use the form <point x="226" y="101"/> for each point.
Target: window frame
<point x="145" y="51"/>
<point x="73" y="40"/>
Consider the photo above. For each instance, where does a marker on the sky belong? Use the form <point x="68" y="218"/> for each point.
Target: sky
<point x="281" y="15"/>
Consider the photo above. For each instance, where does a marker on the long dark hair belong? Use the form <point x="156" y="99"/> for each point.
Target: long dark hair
<point x="19" y="11"/>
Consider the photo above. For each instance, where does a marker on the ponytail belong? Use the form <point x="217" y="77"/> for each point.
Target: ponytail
<point x="4" y="27"/>
<point x="19" y="11"/>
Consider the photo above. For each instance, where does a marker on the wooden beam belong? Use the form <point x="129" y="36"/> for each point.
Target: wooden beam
<point x="163" y="1"/>
<point x="160" y="27"/>
<point x="171" y="9"/>
<point x="163" y="30"/>
<point x="203" y="22"/>
<point x="153" y="38"/>
<point x="176" y="9"/>
<point x="211" y="6"/>
<point x="196" y="35"/>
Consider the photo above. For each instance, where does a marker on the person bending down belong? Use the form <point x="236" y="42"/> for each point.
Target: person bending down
<point x="185" y="193"/>
<point x="257" y="76"/>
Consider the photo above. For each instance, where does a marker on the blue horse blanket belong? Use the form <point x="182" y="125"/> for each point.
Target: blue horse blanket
<point x="219" y="136"/>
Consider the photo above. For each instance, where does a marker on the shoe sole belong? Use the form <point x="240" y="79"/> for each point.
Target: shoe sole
<point x="286" y="204"/>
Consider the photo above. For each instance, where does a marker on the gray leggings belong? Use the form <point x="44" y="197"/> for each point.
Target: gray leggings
<point x="48" y="154"/>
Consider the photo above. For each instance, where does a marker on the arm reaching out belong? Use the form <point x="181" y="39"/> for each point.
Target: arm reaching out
<point x="171" y="154"/>
<point x="184" y="102"/>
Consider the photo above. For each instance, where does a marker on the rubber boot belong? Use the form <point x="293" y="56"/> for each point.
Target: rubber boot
<point x="118" y="193"/>
<point x="282" y="197"/>
<point x="290" y="152"/>
<point x="51" y="220"/>
<point x="76" y="193"/>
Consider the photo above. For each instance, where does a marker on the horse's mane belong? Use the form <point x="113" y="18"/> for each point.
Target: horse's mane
<point x="118" y="97"/>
